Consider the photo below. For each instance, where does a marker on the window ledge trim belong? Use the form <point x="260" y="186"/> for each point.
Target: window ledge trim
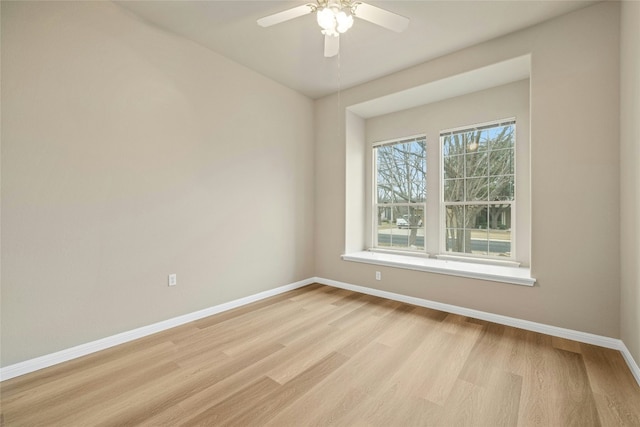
<point x="478" y="260"/>
<point x="512" y="275"/>
<point x="415" y="254"/>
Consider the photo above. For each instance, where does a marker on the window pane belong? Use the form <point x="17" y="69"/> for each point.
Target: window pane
<point x="500" y="230"/>
<point x="385" y="176"/>
<point x="499" y="246"/>
<point x="476" y="216"/>
<point x="454" y="216"/>
<point x="452" y="145"/>
<point x="476" y="189"/>
<point x="479" y="229"/>
<point x="401" y="227"/>
<point x="476" y="229"/>
<point x="501" y="188"/>
<point x="401" y="172"/>
<point x="476" y="164"/>
<point x="501" y="137"/>
<point x="454" y="190"/>
<point x="477" y="242"/>
<point x="500" y="217"/>
<point x="475" y="141"/>
<point x="454" y="240"/>
<point x="382" y="194"/>
<point x="385" y="221"/>
<point x="483" y="142"/>
<point x="501" y="162"/>
<point x="453" y="167"/>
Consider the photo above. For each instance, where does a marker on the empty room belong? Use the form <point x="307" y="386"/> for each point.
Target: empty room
<point x="380" y="213"/>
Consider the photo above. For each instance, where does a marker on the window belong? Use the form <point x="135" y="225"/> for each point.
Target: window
<point x="478" y="190"/>
<point x="400" y="172"/>
<point x="475" y="213"/>
<point x="475" y="218"/>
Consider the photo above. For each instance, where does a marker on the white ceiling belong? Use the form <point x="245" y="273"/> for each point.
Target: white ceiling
<point x="292" y="52"/>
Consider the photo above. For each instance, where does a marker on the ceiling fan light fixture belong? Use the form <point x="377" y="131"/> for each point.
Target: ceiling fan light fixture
<point x="336" y="17"/>
<point x="333" y="19"/>
<point x="344" y="21"/>
<point x="325" y="19"/>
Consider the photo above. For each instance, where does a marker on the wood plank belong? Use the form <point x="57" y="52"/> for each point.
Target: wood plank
<point x="616" y="394"/>
<point x="163" y="395"/>
<point x="268" y="407"/>
<point x="234" y="404"/>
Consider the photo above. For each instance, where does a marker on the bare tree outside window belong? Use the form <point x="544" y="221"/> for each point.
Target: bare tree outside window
<point x="479" y="189"/>
<point x="400" y="173"/>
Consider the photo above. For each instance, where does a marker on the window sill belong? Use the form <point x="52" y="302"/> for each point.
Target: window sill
<point x="496" y="273"/>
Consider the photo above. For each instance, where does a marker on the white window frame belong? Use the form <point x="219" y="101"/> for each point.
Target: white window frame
<point x="505" y="271"/>
<point x="375" y="205"/>
<point x="442" y="234"/>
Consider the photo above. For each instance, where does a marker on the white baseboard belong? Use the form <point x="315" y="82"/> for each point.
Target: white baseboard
<point x="635" y="369"/>
<point x="555" y="331"/>
<point x="47" y="360"/>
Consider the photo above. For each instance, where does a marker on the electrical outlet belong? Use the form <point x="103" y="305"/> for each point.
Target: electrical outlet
<point x="173" y="279"/>
<point x="378" y="275"/>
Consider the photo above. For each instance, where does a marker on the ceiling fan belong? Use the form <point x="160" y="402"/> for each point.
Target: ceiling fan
<point x="336" y="17"/>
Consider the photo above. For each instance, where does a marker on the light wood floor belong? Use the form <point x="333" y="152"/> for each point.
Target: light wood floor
<point x="324" y="356"/>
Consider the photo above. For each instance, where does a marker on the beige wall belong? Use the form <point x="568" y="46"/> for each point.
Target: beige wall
<point x="574" y="177"/>
<point x="129" y="154"/>
<point x="630" y="177"/>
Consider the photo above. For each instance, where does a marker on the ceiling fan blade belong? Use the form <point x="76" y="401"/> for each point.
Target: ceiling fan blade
<point x="286" y="15"/>
<point x="384" y="18"/>
<point x="331" y="46"/>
